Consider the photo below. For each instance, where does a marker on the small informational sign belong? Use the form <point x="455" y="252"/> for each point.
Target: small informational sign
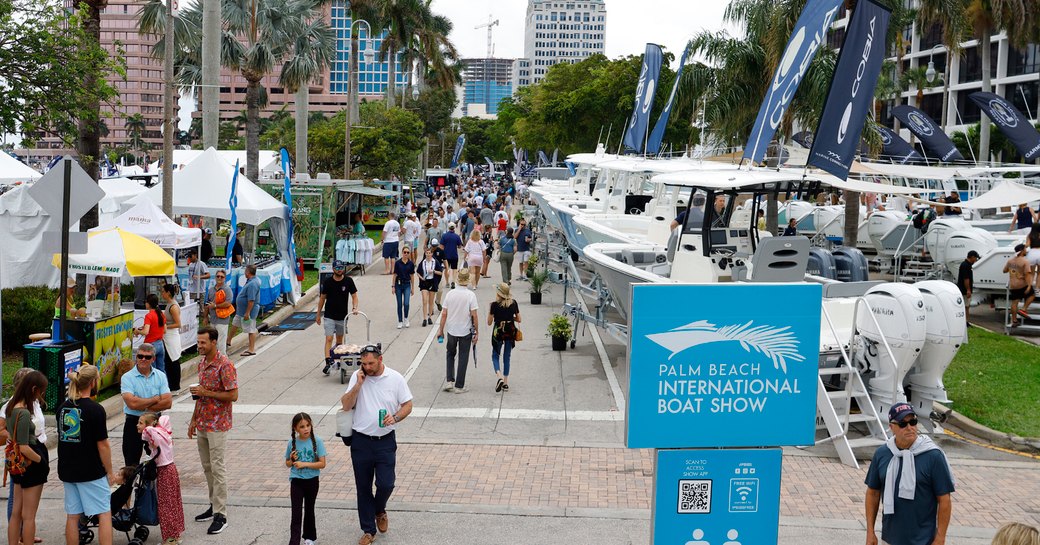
<point x="716" y="497"/>
<point x="723" y="365"/>
<point x="73" y="360"/>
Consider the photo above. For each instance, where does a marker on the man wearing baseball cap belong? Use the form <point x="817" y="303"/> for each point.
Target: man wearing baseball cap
<point x="334" y="292"/>
<point x="910" y="476"/>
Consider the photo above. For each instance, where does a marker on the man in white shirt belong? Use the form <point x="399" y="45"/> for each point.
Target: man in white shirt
<point x="412" y="228"/>
<point x="459" y="319"/>
<point x="375" y="390"/>
<point x="391" y="238"/>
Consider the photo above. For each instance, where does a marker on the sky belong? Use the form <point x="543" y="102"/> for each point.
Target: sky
<point x="630" y="24"/>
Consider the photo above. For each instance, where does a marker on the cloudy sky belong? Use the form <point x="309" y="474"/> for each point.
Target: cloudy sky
<point x="630" y="24"/>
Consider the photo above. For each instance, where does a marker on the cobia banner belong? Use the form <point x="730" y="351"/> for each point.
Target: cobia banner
<point x="653" y="145"/>
<point x="931" y="134"/>
<point x="635" y="133"/>
<point x="459" y="144"/>
<point x="895" y="148"/>
<point x="1011" y="122"/>
<point x="852" y="90"/>
<point x="809" y="34"/>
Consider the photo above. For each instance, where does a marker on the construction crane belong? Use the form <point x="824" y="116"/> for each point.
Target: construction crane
<point x="490" y="53"/>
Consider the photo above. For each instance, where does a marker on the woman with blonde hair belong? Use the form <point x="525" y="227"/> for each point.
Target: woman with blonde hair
<point x="474" y="256"/>
<point x="1016" y="533"/>
<point x="503" y="317"/>
<point x="84" y="456"/>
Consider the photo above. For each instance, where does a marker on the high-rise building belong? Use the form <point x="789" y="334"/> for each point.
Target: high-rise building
<point x="486" y="82"/>
<point x="561" y="31"/>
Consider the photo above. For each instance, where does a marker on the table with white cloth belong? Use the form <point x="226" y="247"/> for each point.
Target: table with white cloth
<point x="274" y="282"/>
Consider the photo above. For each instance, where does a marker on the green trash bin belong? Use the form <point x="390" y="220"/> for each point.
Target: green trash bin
<point x="54" y="360"/>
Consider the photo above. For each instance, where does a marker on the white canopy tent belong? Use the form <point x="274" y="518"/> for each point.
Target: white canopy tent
<point x="22" y="259"/>
<point x="204" y="187"/>
<point x="13" y="171"/>
<point x="119" y="196"/>
<point x="146" y="220"/>
<point x="269" y="160"/>
<point x="1005" y="194"/>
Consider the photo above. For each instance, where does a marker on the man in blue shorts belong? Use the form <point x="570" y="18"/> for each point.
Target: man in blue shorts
<point x="451" y="243"/>
<point x="391" y="240"/>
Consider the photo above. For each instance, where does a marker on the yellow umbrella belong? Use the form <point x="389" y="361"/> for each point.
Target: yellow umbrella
<point x="113" y="251"/>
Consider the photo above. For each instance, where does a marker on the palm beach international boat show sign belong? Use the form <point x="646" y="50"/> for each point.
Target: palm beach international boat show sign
<point x="723" y="365"/>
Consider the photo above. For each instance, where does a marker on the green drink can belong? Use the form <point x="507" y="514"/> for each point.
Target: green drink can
<point x="382" y="417"/>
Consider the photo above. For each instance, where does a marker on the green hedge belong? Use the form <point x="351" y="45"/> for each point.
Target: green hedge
<point x="26" y="310"/>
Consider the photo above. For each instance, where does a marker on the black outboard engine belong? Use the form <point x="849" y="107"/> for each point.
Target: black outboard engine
<point x="821" y="263"/>
<point x="852" y="265"/>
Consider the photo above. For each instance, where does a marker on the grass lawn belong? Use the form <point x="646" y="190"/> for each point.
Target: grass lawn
<point x="12" y="362"/>
<point x="995" y="380"/>
<point x="310" y="278"/>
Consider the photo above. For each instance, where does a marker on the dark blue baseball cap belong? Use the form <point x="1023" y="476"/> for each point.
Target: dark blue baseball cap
<point x="338" y="265"/>
<point x="899" y="411"/>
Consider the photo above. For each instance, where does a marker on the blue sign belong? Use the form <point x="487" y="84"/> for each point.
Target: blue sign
<point x="717" y="497"/>
<point x="1015" y="126"/>
<point x="932" y="136"/>
<point x="714" y="365"/>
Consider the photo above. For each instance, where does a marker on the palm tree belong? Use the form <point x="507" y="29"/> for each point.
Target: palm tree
<point x="399" y="18"/>
<point x="434" y="53"/>
<point x="135" y="127"/>
<point x="88" y="145"/>
<point x="313" y="51"/>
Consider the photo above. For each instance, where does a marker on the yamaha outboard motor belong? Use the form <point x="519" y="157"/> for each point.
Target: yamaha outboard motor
<point x="821" y="263"/>
<point x="946" y="331"/>
<point x="852" y="265"/>
<point x="899" y="311"/>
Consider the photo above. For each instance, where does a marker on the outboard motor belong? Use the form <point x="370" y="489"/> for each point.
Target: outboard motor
<point x="946" y="331"/>
<point x="899" y="311"/>
<point x="851" y="264"/>
<point x="881" y="224"/>
<point x="961" y="242"/>
<point x="821" y="263"/>
<point x="939" y="233"/>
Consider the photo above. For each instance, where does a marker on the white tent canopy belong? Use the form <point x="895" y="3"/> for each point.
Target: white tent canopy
<point x="118" y="194"/>
<point x="12" y="170"/>
<point x="22" y="259"/>
<point x="145" y="219"/>
<point x="269" y="160"/>
<point x="204" y="187"/>
<point x="1006" y="193"/>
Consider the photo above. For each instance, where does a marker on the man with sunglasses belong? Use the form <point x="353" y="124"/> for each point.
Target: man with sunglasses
<point x="380" y="398"/>
<point x="144" y="389"/>
<point x="910" y="476"/>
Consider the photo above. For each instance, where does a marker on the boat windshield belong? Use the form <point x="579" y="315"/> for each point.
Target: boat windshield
<point x="696" y="213"/>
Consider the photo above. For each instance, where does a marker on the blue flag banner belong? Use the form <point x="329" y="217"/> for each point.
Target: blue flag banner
<point x="459" y="144"/>
<point x="653" y="145"/>
<point x="287" y="193"/>
<point x="233" y="204"/>
<point x="543" y="160"/>
<point x="54" y="162"/>
<point x="809" y="35"/>
<point x="852" y="90"/>
<point x="931" y="134"/>
<point x="896" y="149"/>
<point x="1012" y="123"/>
<point x="635" y="133"/>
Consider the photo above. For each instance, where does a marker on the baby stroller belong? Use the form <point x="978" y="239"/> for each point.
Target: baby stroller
<point x="130" y="517"/>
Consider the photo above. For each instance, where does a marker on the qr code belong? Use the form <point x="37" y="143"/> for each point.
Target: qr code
<point x="694" y="496"/>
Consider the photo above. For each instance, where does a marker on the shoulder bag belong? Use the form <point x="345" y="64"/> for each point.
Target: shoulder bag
<point x="15" y="462"/>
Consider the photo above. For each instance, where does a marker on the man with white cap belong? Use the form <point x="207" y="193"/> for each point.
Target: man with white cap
<point x="913" y="475"/>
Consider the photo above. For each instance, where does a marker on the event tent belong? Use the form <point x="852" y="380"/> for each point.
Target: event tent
<point x="146" y="220"/>
<point x="1005" y="194"/>
<point x="12" y="170"/>
<point x="203" y="188"/>
<point x="269" y="160"/>
<point x="22" y="259"/>
<point x="119" y="197"/>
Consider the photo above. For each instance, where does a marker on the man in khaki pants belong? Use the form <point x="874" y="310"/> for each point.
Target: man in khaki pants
<point x="216" y="391"/>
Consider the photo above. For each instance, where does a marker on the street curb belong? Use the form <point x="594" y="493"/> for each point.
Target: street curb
<point x="967" y="426"/>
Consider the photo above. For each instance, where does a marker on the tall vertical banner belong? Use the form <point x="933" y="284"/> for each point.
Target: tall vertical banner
<point x="809" y="35"/>
<point x="635" y="132"/>
<point x="543" y="160"/>
<point x="933" y="138"/>
<point x="653" y="144"/>
<point x="852" y="90"/>
<point x="233" y="204"/>
<point x="290" y="224"/>
<point x="895" y="149"/>
<point x="457" y="154"/>
<point x="1015" y="126"/>
<point x="491" y="165"/>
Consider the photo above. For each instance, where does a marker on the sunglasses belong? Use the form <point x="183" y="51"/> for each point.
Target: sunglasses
<point x="372" y="348"/>
<point x="144" y="357"/>
<point x="911" y="422"/>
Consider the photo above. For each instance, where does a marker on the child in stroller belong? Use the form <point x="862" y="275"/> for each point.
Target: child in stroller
<point x="131" y="513"/>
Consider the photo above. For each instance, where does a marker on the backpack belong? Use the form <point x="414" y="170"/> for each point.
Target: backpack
<point x="15" y="462"/>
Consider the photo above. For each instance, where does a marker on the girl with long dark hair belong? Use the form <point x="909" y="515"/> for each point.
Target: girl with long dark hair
<point x="153" y="330"/>
<point x="28" y="486"/>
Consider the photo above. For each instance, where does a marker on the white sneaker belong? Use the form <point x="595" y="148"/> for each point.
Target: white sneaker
<point x="309" y="542"/>
<point x="407" y="323"/>
<point x="400" y="325"/>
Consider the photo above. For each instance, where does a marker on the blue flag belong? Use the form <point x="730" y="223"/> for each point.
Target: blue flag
<point x="653" y="145"/>
<point x="852" y="90"/>
<point x="233" y="204"/>
<point x="287" y="193"/>
<point x="1015" y="126"/>
<point x="931" y="134"/>
<point x="459" y="144"/>
<point x="635" y="132"/>
<point x="809" y="35"/>
<point x="896" y="149"/>
<point x="543" y="160"/>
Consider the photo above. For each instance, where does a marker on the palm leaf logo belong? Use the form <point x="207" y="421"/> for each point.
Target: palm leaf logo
<point x="779" y="344"/>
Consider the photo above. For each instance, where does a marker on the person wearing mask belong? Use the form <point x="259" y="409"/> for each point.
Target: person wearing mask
<point x="429" y="271"/>
<point x="402" y="284"/>
<point x="172" y="336"/>
<point x="506" y="251"/>
<point x="154" y="329"/>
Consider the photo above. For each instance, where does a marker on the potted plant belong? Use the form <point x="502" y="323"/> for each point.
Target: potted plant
<point x="518" y="216"/>
<point x="538" y="280"/>
<point x="559" y="331"/>
<point x="532" y="264"/>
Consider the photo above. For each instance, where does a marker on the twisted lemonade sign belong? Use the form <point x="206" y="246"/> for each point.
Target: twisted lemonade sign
<point x="723" y="365"/>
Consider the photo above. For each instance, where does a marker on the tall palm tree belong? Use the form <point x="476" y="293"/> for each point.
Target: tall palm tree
<point x="88" y="145"/>
<point x="313" y="51"/>
<point x="135" y="127"/>
<point x="436" y="56"/>
<point x="399" y="18"/>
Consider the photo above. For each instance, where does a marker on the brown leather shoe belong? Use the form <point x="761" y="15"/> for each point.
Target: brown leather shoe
<point x="366" y="539"/>
<point x="382" y="522"/>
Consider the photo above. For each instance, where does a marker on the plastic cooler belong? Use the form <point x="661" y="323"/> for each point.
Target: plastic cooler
<point x="54" y="360"/>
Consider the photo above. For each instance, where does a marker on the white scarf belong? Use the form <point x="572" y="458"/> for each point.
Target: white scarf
<point x="908" y="480"/>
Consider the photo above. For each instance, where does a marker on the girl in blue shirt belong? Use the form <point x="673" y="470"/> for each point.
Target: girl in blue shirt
<point x="305" y="456"/>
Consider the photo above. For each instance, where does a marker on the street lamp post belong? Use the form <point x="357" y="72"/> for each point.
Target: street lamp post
<point x="351" y="74"/>
<point x="930" y="74"/>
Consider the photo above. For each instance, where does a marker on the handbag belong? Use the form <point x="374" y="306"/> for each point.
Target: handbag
<point x="146" y="503"/>
<point x="345" y="425"/>
<point x="518" y="336"/>
<point x="15" y="462"/>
